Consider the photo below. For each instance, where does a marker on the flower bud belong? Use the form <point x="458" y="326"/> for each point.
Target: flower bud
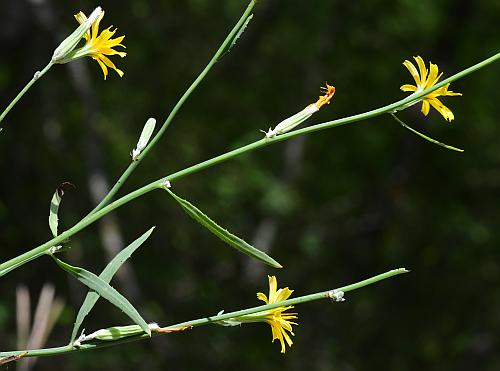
<point x="146" y="133"/>
<point x="70" y="43"/>
<point x="295" y="120"/>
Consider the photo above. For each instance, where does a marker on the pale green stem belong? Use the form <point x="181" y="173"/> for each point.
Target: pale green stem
<point x="42" y="249"/>
<point x="206" y="320"/>
<point x="224" y="46"/>
<point x="35" y="78"/>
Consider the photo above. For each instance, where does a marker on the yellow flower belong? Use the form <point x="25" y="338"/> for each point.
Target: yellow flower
<point x="425" y="79"/>
<point x="279" y="321"/>
<point x="98" y="46"/>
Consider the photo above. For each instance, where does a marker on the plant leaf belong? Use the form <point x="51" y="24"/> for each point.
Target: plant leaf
<point x="242" y="28"/>
<point x="240" y="32"/>
<point x="444" y="145"/>
<point x="102" y="288"/>
<point x="224" y="234"/>
<point x="54" y="206"/>
<point x="106" y="275"/>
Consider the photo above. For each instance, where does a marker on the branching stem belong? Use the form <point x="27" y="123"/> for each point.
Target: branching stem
<point x="205" y="320"/>
<point x="91" y="218"/>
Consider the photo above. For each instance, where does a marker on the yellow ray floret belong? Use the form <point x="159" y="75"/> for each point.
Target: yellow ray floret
<point x="279" y="321"/>
<point x="425" y="79"/>
<point x="98" y="46"/>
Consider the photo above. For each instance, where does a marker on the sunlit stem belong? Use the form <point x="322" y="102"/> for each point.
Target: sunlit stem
<point x="206" y="320"/>
<point x="159" y="183"/>
<point x="222" y="49"/>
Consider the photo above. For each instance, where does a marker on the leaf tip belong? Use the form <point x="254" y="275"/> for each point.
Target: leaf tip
<point x="275" y="264"/>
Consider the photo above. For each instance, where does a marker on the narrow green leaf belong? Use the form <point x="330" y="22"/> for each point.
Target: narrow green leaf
<point x="54" y="206"/>
<point x="95" y="283"/>
<point x="240" y="31"/>
<point x="237" y="35"/>
<point x="224" y="234"/>
<point x="444" y="145"/>
<point x="106" y="275"/>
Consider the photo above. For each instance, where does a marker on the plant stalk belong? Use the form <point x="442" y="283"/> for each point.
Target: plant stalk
<point x="205" y="320"/>
<point x="91" y="218"/>
<point x="130" y="169"/>
<point x="35" y="78"/>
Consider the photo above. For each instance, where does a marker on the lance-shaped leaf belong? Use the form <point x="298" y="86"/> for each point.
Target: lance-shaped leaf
<point x="102" y="288"/>
<point x="54" y="206"/>
<point x="237" y="31"/>
<point x="224" y="234"/>
<point x="106" y="275"/>
<point x="444" y="145"/>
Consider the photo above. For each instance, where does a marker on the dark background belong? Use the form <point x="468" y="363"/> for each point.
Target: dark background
<point x="333" y="207"/>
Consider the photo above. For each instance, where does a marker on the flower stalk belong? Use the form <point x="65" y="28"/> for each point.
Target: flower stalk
<point x="36" y="77"/>
<point x="96" y="47"/>
<point x="136" y="334"/>
<point x="159" y="183"/>
<point x="100" y="45"/>
<point x="223" y="48"/>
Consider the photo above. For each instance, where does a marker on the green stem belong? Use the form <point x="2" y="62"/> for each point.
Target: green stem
<point x="45" y="248"/>
<point x="42" y="249"/>
<point x="36" y="77"/>
<point x="222" y="49"/>
<point x="294" y="301"/>
<point x="206" y="320"/>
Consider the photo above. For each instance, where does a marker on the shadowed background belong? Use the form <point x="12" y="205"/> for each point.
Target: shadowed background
<point x="333" y="207"/>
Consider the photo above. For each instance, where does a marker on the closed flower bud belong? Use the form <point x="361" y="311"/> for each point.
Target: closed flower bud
<point x="295" y="120"/>
<point x="146" y="133"/>
<point x="70" y="43"/>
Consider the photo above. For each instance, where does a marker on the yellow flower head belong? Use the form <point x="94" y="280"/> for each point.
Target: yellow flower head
<point x="98" y="46"/>
<point x="279" y="321"/>
<point x="425" y="79"/>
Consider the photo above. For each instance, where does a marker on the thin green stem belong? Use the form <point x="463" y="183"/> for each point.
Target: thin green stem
<point x="35" y="78"/>
<point x="294" y="301"/>
<point x="206" y="320"/>
<point x="46" y="247"/>
<point x="42" y="249"/>
<point x="222" y="49"/>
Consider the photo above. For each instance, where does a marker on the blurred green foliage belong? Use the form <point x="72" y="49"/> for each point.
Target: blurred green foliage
<point x="344" y="204"/>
